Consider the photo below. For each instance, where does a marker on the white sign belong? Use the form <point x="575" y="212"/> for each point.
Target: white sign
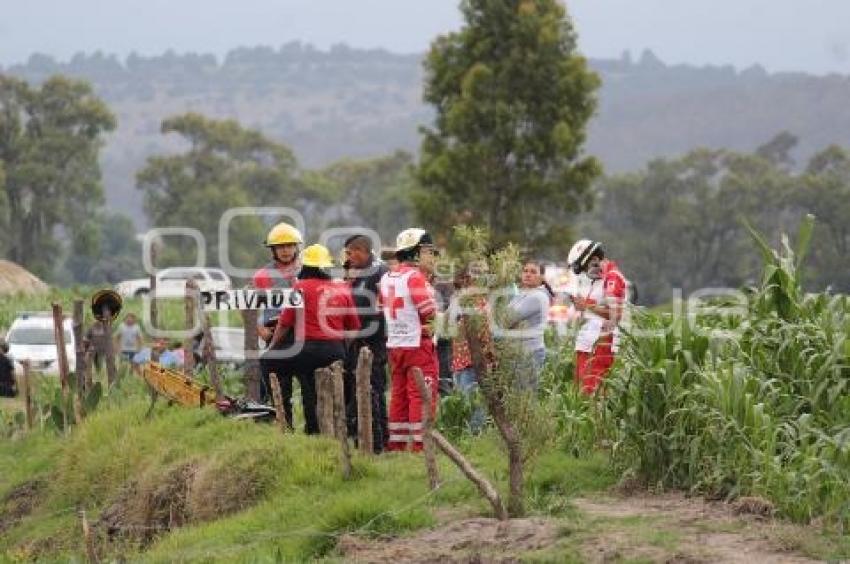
<point x="273" y="298"/>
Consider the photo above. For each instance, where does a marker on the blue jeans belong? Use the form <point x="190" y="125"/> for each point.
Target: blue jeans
<point x="466" y="381"/>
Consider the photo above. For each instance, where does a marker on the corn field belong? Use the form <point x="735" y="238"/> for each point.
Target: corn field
<point x="753" y="402"/>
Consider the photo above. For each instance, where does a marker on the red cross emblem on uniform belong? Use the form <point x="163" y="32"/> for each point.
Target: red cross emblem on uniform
<point x="392" y="303"/>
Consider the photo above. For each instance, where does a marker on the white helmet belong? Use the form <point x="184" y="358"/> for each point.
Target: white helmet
<point x="581" y="252"/>
<point x="411" y="238"/>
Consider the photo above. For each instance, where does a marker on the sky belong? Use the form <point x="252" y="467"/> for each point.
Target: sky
<point x="781" y="35"/>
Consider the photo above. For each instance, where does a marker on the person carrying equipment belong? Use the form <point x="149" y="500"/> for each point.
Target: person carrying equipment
<point x="599" y="301"/>
<point x="408" y="303"/>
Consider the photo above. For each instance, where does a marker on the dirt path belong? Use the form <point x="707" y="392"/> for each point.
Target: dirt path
<point x="667" y="528"/>
<point x="674" y="528"/>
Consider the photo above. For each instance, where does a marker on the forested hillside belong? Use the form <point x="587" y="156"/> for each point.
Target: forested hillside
<point x="346" y="102"/>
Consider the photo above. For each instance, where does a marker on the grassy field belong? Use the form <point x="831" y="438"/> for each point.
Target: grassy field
<point x="726" y="433"/>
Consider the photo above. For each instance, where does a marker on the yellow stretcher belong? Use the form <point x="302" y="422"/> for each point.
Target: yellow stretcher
<point x="176" y="386"/>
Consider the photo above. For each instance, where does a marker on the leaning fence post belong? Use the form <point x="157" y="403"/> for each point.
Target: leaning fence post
<point x="28" y="394"/>
<point x="365" y="438"/>
<point x="325" y="401"/>
<point x="339" y="418"/>
<point x="154" y="317"/>
<point x="278" y="401"/>
<point x="88" y="539"/>
<point x="427" y="425"/>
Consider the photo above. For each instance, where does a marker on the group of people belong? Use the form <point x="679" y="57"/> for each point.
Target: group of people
<point x="390" y="306"/>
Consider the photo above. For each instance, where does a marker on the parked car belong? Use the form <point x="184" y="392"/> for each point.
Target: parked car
<point x="172" y="282"/>
<point x="31" y="338"/>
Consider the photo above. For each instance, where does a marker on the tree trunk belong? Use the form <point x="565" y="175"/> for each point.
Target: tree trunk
<point x="480" y="352"/>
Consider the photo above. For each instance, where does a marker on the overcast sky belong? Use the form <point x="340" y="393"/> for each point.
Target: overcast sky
<point x="805" y="35"/>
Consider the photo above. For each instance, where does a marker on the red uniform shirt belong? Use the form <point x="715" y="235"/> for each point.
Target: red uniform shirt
<point x="328" y="311"/>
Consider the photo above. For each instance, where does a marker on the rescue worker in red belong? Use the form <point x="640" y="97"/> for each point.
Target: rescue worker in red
<point x="599" y="298"/>
<point x="408" y="303"/>
<point x="320" y="327"/>
<point x="285" y="242"/>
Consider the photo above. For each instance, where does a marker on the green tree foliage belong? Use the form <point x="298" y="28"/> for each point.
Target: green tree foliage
<point x="49" y="142"/>
<point x="513" y="99"/>
<point x="677" y="224"/>
<point x="104" y="249"/>
<point x="225" y="166"/>
<point x="825" y="192"/>
<point x="377" y="191"/>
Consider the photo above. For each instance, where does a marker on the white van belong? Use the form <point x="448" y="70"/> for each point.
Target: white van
<point x="31" y="337"/>
<point x="171" y="282"/>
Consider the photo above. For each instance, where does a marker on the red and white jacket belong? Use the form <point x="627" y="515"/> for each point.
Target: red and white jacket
<point x="610" y="290"/>
<point x="408" y="302"/>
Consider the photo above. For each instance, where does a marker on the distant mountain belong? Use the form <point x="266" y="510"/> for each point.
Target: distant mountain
<point x="357" y="103"/>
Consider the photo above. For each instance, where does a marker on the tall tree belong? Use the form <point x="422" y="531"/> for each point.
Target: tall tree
<point x="513" y="98"/>
<point x="49" y="142"/>
<point x="825" y="192"/>
<point x="377" y="191"/>
<point x="225" y="166"/>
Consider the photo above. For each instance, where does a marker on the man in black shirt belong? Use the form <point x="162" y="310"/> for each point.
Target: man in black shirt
<point x="364" y="274"/>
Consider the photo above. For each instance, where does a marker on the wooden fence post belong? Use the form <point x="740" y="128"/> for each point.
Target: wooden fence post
<point x="79" y="349"/>
<point x="325" y="401"/>
<point x="339" y="418"/>
<point x="88" y="539"/>
<point x="189" y="342"/>
<point x="427" y="425"/>
<point x="87" y="368"/>
<point x="485" y="487"/>
<point x="28" y="394"/>
<point x="365" y="438"/>
<point x="278" y="401"/>
<point x="62" y="357"/>
<point x="251" y="369"/>
<point x="153" y="309"/>
<point x="209" y="356"/>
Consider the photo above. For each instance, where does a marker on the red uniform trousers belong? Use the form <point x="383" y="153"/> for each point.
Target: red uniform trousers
<point x="405" y="402"/>
<point x="592" y="367"/>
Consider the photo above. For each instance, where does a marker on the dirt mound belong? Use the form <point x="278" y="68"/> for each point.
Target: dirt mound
<point x="19" y="503"/>
<point x="15" y="279"/>
<point x="472" y="540"/>
<point x="671" y="527"/>
<point x="191" y="492"/>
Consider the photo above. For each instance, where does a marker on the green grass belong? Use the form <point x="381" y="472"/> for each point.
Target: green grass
<point x="296" y="502"/>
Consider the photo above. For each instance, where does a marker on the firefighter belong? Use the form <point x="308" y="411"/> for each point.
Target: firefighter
<point x="284" y="242"/>
<point x="320" y="328"/>
<point x="599" y="300"/>
<point x="408" y="302"/>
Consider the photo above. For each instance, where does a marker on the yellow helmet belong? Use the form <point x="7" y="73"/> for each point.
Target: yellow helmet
<point x="283" y="234"/>
<point x="317" y="256"/>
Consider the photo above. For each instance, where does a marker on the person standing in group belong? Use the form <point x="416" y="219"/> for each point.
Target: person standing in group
<point x="8" y="386"/>
<point x="527" y="314"/>
<point x="320" y="327"/>
<point x="128" y="340"/>
<point x="600" y="307"/>
<point x="363" y="272"/>
<point x="284" y="241"/>
<point x="96" y="340"/>
<point x="409" y="306"/>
